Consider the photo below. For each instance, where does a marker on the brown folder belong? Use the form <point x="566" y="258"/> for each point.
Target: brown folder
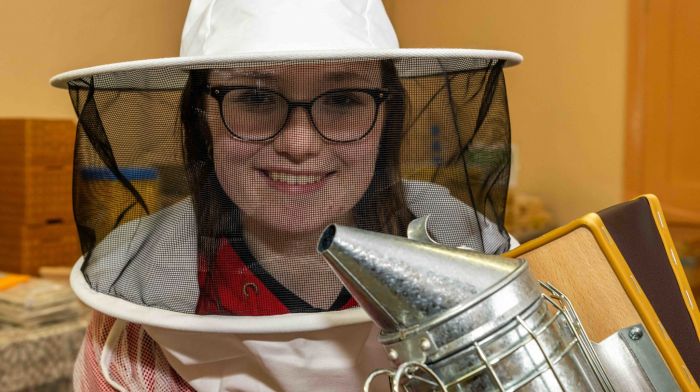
<point x="619" y="267"/>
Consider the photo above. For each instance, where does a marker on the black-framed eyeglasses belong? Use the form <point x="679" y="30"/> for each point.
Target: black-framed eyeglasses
<point x="259" y="114"/>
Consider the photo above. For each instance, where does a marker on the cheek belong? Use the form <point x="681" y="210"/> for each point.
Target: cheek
<point x="360" y="161"/>
<point x="231" y="157"/>
<point x="366" y="154"/>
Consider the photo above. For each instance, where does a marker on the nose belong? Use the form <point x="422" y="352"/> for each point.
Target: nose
<point x="298" y="140"/>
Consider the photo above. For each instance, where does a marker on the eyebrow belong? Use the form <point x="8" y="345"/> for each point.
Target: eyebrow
<point x="342" y="76"/>
<point x="334" y="76"/>
<point x="253" y="74"/>
<point x="331" y="76"/>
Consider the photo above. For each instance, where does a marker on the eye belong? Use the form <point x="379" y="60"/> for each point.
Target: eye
<point x="253" y="100"/>
<point x="255" y="97"/>
<point x="344" y="99"/>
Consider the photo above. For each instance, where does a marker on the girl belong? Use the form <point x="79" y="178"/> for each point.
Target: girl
<point x="278" y="119"/>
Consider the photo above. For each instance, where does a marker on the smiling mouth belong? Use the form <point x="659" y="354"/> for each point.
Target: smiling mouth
<point x="295" y="179"/>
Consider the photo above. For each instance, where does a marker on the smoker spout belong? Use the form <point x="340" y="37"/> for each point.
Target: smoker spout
<point x="400" y="282"/>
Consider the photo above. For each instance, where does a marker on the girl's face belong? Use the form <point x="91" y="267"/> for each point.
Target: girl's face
<point x="297" y="182"/>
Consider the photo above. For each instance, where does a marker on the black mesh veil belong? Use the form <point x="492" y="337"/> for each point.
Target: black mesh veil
<point x="204" y="190"/>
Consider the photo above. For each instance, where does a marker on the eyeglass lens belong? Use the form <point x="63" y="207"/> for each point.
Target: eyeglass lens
<point x="255" y="114"/>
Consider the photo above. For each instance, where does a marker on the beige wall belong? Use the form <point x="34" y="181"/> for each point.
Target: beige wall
<point x="566" y="98"/>
<point x="42" y="38"/>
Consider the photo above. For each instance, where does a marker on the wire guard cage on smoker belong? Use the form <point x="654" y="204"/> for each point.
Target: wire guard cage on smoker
<point x="543" y="349"/>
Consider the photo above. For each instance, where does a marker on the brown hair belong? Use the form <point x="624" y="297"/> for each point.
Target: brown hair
<point x="382" y="208"/>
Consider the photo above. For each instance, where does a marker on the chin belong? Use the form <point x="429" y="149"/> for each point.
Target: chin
<point x="297" y="223"/>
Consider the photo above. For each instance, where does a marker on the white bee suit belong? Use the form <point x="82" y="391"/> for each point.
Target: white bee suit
<point x="333" y="359"/>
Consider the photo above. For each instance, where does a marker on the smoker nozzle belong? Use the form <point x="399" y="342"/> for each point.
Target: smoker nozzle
<point x="402" y="282"/>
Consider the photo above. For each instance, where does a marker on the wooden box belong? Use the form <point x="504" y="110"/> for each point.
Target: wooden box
<point x="36" y="214"/>
<point x="34" y="142"/>
<point x="36" y="195"/>
<point x="26" y="248"/>
<point x="36" y="170"/>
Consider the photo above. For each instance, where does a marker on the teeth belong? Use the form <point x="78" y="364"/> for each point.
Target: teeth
<point x="293" y="179"/>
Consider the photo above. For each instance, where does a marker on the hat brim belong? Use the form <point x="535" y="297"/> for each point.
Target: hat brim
<point x="171" y="73"/>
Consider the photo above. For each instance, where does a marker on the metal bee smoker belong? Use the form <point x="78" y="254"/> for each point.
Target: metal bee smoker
<point x="458" y="320"/>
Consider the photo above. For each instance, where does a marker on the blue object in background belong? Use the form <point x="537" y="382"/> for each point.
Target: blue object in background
<point x="130" y="173"/>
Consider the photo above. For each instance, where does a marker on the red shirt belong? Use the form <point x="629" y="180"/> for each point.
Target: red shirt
<point x="236" y="284"/>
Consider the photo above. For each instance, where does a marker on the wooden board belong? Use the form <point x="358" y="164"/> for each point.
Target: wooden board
<point x="575" y="264"/>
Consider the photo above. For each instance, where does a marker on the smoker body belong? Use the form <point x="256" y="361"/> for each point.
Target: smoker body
<point x="458" y="320"/>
